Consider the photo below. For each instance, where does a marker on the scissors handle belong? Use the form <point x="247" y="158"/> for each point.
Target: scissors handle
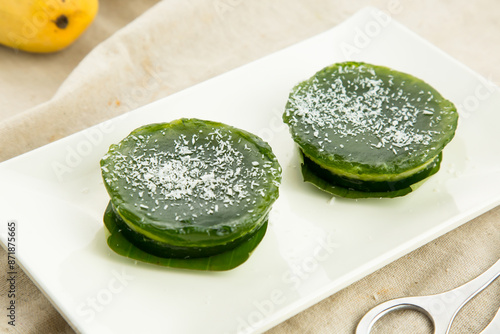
<point x="440" y="308"/>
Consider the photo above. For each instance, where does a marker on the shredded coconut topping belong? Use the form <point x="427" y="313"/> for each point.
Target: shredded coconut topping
<point x="353" y="107"/>
<point x="192" y="175"/>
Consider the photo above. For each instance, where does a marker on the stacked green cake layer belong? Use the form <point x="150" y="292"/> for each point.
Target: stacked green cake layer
<point x="367" y="130"/>
<point x="190" y="189"/>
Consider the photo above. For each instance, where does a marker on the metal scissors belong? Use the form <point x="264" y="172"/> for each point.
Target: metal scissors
<point x="440" y="308"/>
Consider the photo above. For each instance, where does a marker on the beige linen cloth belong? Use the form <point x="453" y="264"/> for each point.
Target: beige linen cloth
<point x="173" y="44"/>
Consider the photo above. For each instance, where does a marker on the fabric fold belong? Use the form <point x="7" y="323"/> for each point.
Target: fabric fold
<point x="152" y="57"/>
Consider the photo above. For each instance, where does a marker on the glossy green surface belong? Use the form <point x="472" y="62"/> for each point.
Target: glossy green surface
<point x="224" y="261"/>
<point x="372" y="186"/>
<point x="310" y="174"/>
<point x="161" y="249"/>
<point x="192" y="184"/>
<point x="368" y="121"/>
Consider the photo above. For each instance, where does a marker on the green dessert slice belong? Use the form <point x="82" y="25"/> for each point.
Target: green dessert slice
<point x="226" y="260"/>
<point x="330" y="183"/>
<point x="193" y="187"/>
<point x="366" y="123"/>
<point x="373" y="186"/>
<point x="161" y="249"/>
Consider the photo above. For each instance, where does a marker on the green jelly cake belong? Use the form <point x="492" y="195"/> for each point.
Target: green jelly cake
<point x="190" y="188"/>
<point x="368" y="131"/>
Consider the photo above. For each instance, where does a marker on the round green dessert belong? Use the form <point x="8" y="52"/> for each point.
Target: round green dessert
<point x="370" y="129"/>
<point x="190" y="188"/>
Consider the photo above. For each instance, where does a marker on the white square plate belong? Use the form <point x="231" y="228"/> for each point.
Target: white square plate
<point x="314" y="247"/>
